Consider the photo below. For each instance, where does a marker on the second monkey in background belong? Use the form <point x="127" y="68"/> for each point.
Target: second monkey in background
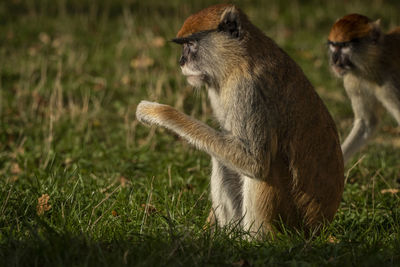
<point x="368" y="61"/>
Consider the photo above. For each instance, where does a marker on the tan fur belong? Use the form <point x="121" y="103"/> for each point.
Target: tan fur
<point x="369" y="64"/>
<point x="276" y="156"/>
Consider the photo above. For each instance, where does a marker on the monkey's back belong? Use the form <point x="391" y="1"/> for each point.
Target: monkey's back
<point x="309" y="145"/>
<point x="391" y="57"/>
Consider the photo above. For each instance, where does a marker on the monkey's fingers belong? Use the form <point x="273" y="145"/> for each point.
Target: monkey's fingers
<point x="146" y="112"/>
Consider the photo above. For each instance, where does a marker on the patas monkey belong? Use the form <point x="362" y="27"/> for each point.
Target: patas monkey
<point x="276" y="156"/>
<point x="368" y="60"/>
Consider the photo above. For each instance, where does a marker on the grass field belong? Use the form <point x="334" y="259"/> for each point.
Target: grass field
<point x="82" y="183"/>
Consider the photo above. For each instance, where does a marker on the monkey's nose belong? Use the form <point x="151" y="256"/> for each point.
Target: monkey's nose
<point x="182" y="61"/>
<point x="335" y="57"/>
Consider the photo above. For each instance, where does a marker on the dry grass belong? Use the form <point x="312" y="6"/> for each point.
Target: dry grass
<point x="71" y="75"/>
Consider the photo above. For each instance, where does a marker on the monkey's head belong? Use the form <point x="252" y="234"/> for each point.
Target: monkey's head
<point x="211" y="41"/>
<point x="353" y="44"/>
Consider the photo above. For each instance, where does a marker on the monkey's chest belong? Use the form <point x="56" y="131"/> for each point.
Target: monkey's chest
<point x="221" y="111"/>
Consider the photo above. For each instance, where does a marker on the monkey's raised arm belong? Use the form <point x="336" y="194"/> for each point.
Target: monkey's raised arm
<point x="227" y="148"/>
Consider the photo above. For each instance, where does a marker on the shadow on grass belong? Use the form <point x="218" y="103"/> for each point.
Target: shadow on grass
<point x="47" y="246"/>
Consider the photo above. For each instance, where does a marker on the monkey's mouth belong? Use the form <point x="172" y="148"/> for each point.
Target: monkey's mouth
<point x="195" y="78"/>
<point x="342" y="65"/>
<point x="190" y="73"/>
<point x="341" y="69"/>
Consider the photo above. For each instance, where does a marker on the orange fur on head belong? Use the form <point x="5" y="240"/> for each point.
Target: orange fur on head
<point x="350" y="27"/>
<point x="206" y="19"/>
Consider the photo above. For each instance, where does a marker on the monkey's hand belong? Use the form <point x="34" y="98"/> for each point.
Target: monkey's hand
<point x="150" y="112"/>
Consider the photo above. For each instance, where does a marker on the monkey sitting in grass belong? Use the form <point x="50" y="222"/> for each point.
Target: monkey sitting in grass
<point x="276" y="157"/>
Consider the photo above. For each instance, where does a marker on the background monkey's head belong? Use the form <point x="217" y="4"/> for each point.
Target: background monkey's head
<point x="213" y="44"/>
<point x="353" y="44"/>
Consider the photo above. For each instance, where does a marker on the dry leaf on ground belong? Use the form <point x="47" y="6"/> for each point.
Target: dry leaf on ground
<point x="12" y="179"/>
<point x="15" y="169"/>
<point x="150" y="208"/>
<point x="241" y="263"/>
<point x="44" y="38"/>
<point x="142" y="62"/>
<point x="392" y="141"/>
<point x="43" y="204"/>
<point x="158" y="41"/>
<point x="123" y="181"/>
<point x="188" y="187"/>
<point x="125" y="80"/>
<point x="332" y="240"/>
<point x="390" y="191"/>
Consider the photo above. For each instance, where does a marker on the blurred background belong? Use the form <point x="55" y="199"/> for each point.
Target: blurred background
<point x="75" y="162"/>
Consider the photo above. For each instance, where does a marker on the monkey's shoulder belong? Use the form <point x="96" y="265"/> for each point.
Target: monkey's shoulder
<point x="394" y="32"/>
<point x="390" y="53"/>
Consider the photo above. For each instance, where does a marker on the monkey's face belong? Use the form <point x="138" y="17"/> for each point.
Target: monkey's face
<point x="203" y="57"/>
<point x="194" y="59"/>
<point x="357" y="56"/>
<point x="353" y="42"/>
<point x="211" y="46"/>
<point x="340" y="57"/>
<point x="190" y="65"/>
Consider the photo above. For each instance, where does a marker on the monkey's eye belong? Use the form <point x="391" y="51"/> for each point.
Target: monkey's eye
<point x="192" y="45"/>
<point x="339" y="45"/>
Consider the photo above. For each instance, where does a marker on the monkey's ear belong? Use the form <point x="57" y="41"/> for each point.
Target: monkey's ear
<point x="376" y="30"/>
<point x="377" y="23"/>
<point x="230" y="22"/>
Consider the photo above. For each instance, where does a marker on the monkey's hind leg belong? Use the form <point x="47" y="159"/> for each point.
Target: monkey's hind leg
<point x="389" y="96"/>
<point x="358" y="137"/>
<point x="226" y="194"/>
